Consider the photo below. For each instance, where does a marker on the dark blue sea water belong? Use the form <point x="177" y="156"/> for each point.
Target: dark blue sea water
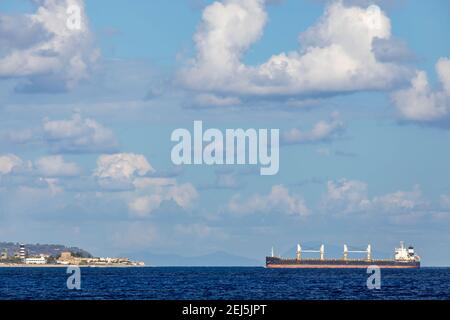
<point x="223" y="283"/>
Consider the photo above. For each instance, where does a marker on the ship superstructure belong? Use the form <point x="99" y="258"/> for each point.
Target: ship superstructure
<point x="403" y="258"/>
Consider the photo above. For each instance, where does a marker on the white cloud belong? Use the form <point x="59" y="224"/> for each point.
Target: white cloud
<point x="9" y="162"/>
<point x="351" y="196"/>
<point x="387" y="50"/>
<point x="420" y="102"/>
<point x="145" y="204"/>
<point x="127" y="172"/>
<point x="121" y="178"/>
<point x="20" y="32"/>
<point x="183" y="195"/>
<point x="43" y="51"/>
<point x="346" y="196"/>
<point x="278" y="200"/>
<point x="122" y="166"/>
<point x="55" y="166"/>
<point x="399" y="200"/>
<point x="322" y="131"/>
<point x="336" y="54"/>
<point x="220" y="41"/>
<point x="78" y="135"/>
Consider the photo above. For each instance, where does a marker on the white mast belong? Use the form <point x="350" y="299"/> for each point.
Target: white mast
<point x="368" y="252"/>
<point x="299" y="252"/>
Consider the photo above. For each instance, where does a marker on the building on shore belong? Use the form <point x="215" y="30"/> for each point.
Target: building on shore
<point x="36" y="260"/>
<point x="67" y="258"/>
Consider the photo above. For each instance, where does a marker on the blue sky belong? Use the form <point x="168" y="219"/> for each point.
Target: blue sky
<point x="362" y="104"/>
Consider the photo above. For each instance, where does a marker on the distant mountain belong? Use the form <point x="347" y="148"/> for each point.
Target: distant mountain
<point x="37" y="249"/>
<point x="216" y="259"/>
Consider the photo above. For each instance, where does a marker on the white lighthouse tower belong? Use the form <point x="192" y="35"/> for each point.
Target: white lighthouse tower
<point x="22" y="252"/>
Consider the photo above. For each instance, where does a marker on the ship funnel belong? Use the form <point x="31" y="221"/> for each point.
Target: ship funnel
<point x="345" y="252"/>
<point x="272" y="253"/>
<point x="299" y="252"/>
<point x="369" y="252"/>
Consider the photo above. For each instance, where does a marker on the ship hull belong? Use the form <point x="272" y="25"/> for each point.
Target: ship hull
<point x="278" y="263"/>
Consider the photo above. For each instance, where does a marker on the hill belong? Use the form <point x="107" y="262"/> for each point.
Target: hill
<point x="48" y="249"/>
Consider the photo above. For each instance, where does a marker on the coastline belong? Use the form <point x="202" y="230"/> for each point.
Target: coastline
<point x="65" y="266"/>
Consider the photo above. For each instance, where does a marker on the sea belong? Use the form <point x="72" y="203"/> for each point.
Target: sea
<point x="223" y="283"/>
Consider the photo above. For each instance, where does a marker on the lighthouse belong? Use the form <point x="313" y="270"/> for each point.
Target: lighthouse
<point x="22" y="252"/>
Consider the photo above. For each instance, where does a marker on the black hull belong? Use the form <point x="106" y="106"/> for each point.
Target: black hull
<point x="273" y="262"/>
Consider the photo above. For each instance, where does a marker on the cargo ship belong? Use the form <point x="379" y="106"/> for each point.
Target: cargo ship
<point x="404" y="257"/>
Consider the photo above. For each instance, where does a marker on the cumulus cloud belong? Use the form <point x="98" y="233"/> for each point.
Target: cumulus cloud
<point x="145" y="204"/>
<point x="56" y="166"/>
<point x="183" y="195"/>
<point x="324" y="130"/>
<point x="78" y="135"/>
<point x="279" y="200"/>
<point x="20" y="32"/>
<point x="400" y="200"/>
<point x="351" y="197"/>
<point x="420" y="102"/>
<point x="122" y="178"/>
<point x="392" y="50"/>
<point x="336" y="53"/>
<point x="346" y="196"/>
<point x="122" y="166"/>
<point x="44" y="173"/>
<point x="9" y="162"/>
<point x="41" y="50"/>
<point x="130" y="172"/>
